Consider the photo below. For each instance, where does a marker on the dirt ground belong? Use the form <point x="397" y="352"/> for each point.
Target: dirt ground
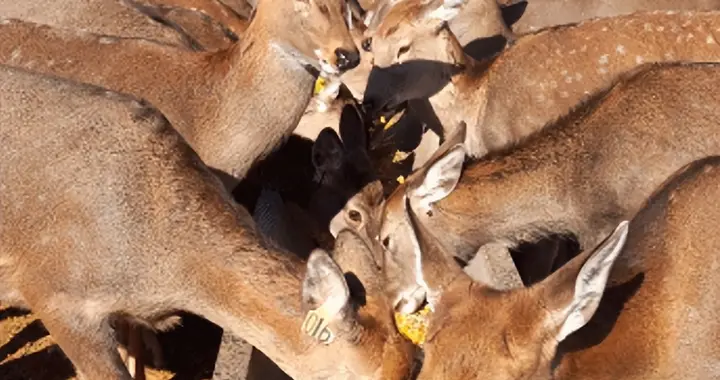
<point x="27" y="352"/>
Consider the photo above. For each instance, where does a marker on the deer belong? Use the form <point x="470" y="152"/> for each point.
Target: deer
<point x="480" y="29"/>
<point x="538" y="14"/>
<point x="138" y="226"/>
<point x="551" y="71"/>
<point x="212" y="98"/>
<point x="578" y="177"/>
<point x="639" y="305"/>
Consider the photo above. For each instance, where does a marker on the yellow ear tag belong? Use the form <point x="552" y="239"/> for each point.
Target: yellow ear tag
<point x="393" y="120"/>
<point x="414" y="326"/>
<point x="400" y="180"/>
<point x="319" y="85"/>
<point x="316" y="325"/>
<point x="400" y="156"/>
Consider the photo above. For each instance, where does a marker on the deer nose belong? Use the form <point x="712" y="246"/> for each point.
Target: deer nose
<point x="347" y="60"/>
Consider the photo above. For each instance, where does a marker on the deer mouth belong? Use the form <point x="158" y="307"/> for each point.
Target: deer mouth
<point x="409" y="302"/>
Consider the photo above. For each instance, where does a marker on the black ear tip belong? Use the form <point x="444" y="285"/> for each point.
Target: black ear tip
<point x="327" y="135"/>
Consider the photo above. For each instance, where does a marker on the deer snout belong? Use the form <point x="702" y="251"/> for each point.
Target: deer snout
<point x="411" y="301"/>
<point x="347" y="60"/>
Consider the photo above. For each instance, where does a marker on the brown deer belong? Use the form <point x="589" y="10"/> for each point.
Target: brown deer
<point x="534" y="82"/>
<point x="538" y="14"/>
<point x="220" y="101"/>
<point x="480" y="29"/>
<point x="579" y="177"/>
<point x="108" y="212"/>
<point x="637" y="306"/>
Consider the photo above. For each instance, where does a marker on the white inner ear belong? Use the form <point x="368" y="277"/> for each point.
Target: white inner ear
<point x="446" y="12"/>
<point x="329" y="272"/>
<point x="591" y="281"/>
<point x="440" y="179"/>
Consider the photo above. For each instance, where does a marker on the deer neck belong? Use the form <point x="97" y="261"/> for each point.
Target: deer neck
<point x="255" y="79"/>
<point x="223" y="103"/>
<point x="477" y="212"/>
<point x="255" y="293"/>
<point x="463" y="98"/>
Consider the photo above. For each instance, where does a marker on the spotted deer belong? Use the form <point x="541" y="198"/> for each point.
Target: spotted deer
<point x="550" y="71"/>
<point x="119" y="216"/>
<point x="539" y="14"/>
<point x="219" y="101"/>
<point x="640" y="305"/>
<point x="579" y="177"/>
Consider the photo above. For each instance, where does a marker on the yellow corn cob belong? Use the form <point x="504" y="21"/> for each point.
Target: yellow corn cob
<point x="319" y="85"/>
<point x="413" y="326"/>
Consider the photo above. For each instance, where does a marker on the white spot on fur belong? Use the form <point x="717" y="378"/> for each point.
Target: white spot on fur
<point x="670" y="13"/>
<point x="583" y="49"/>
<point x="553" y="84"/>
<point x="679" y="39"/>
<point x="604" y="29"/>
<point x="568" y="79"/>
<point x="15" y="54"/>
<point x="105" y="40"/>
<point x="573" y="51"/>
<point x="660" y="28"/>
<point x="690" y="36"/>
<point x="578" y="77"/>
<point x="648" y="27"/>
<point x="639" y="59"/>
<point x="603" y="59"/>
<point x="564" y="72"/>
<point x="620" y="49"/>
<point x="602" y="70"/>
<point x="668" y="56"/>
<point x="50" y="63"/>
<point x="710" y="39"/>
<point x="564" y="94"/>
<point x="5" y="21"/>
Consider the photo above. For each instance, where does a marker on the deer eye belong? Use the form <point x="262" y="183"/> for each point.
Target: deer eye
<point x="386" y="242"/>
<point x="367" y="44"/>
<point x="355" y="216"/>
<point x="403" y="50"/>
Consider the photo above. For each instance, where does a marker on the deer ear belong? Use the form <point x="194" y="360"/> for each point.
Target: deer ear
<point x="327" y="151"/>
<point x="445" y="10"/>
<point x="440" y="178"/>
<point x="574" y="292"/>
<point x="324" y="285"/>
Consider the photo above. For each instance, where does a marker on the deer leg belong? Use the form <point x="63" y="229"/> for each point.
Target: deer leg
<point x="88" y="343"/>
<point x="136" y="362"/>
<point x="233" y="358"/>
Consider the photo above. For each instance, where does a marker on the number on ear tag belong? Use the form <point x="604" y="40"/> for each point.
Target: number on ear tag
<point x="316" y="325"/>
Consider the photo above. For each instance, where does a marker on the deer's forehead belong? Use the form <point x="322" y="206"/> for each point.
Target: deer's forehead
<point x="399" y="18"/>
<point x="394" y="210"/>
